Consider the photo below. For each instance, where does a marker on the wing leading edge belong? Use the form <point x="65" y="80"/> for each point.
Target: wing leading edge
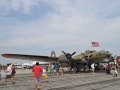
<point x="31" y="57"/>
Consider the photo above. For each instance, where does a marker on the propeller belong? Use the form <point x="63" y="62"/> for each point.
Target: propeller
<point x="69" y="57"/>
<point x="108" y="54"/>
<point x="85" y="56"/>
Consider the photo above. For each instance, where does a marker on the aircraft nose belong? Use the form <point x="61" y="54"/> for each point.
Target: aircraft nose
<point x="68" y="56"/>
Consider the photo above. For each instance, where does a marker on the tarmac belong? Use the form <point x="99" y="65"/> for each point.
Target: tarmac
<point x="68" y="81"/>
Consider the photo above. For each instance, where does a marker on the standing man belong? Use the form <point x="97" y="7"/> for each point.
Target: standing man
<point x="8" y="73"/>
<point x="57" y="66"/>
<point x="93" y="67"/>
<point x="37" y="71"/>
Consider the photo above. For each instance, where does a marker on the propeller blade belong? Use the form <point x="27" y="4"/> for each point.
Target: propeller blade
<point x="73" y="53"/>
<point x="90" y="55"/>
<point x="64" y="52"/>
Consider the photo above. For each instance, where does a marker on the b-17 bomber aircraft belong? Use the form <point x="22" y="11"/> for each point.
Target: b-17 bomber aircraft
<point x="74" y="62"/>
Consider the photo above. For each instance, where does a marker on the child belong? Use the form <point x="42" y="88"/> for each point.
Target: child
<point x="44" y="73"/>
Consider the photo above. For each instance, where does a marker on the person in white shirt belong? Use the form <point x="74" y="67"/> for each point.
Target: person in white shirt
<point x="93" y="67"/>
<point x="8" y="73"/>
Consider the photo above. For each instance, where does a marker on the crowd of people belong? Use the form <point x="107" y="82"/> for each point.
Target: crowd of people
<point x="44" y="71"/>
<point x="39" y="72"/>
<point x="54" y="69"/>
<point x="108" y="68"/>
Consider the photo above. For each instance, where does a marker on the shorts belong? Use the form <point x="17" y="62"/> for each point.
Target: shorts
<point x="37" y="80"/>
<point x="8" y="76"/>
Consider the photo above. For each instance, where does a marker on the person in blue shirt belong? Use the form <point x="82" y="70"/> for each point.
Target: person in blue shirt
<point x="57" y="66"/>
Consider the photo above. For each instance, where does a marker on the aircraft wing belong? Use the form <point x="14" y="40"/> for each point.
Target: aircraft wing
<point x="31" y="57"/>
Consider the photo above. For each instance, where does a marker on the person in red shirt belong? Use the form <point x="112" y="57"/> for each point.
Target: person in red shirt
<point x="37" y="72"/>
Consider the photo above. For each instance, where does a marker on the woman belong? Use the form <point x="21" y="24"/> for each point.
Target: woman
<point x="13" y="73"/>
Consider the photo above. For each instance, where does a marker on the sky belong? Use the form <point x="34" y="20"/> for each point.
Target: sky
<point x="38" y="27"/>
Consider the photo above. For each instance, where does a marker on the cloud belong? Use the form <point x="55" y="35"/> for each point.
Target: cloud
<point x="18" y="5"/>
<point x="39" y="26"/>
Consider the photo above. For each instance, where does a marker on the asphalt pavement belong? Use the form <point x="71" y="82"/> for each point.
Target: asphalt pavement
<point x="68" y="81"/>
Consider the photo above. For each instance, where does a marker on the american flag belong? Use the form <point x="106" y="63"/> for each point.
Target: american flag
<point x="95" y="44"/>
